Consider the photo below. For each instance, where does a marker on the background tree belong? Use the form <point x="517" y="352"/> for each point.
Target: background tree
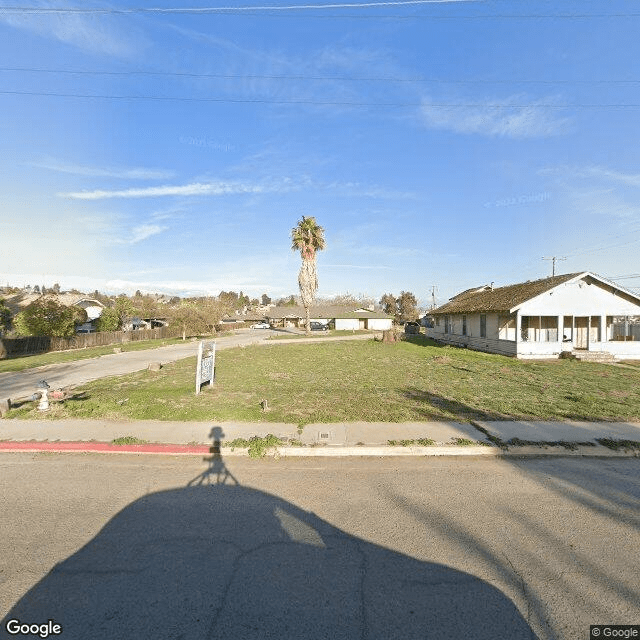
<point x="407" y="307"/>
<point x="388" y="302"/>
<point x="349" y="300"/>
<point x="197" y="316"/>
<point x="109" y="320"/>
<point x="124" y="308"/>
<point x="265" y="299"/>
<point x="308" y="238"/>
<point x="229" y="299"/>
<point x="5" y="317"/>
<point x="46" y="317"/>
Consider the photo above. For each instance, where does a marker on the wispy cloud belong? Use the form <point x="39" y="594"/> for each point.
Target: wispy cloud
<point x="369" y="191"/>
<point x="136" y="173"/>
<point x="144" y="231"/>
<point x="217" y="188"/>
<point x="354" y="266"/>
<point x="513" y="117"/>
<point x="594" y="172"/>
<point x="605" y="202"/>
<point x="93" y="34"/>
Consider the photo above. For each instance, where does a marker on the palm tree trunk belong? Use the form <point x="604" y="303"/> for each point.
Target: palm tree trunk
<point x="308" y="323"/>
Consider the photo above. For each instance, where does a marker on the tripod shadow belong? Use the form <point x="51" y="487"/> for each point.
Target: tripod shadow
<point x="216" y="472"/>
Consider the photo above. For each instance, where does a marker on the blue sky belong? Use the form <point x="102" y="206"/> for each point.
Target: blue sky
<point x="438" y="143"/>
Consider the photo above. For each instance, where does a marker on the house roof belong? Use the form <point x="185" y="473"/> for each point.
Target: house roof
<point x="323" y="312"/>
<point x="20" y="301"/>
<point x="503" y="299"/>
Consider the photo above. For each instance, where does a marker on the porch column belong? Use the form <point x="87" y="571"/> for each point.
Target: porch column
<point x="603" y="329"/>
<point x="518" y="330"/>
<point x="560" y="335"/>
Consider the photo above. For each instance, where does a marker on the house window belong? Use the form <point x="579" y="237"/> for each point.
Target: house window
<point x="447" y="328"/>
<point x="464" y="325"/>
<point x="539" y="328"/>
<point x="437" y="321"/>
<point x="483" y="325"/>
<point x="624" y="328"/>
<point x="507" y="328"/>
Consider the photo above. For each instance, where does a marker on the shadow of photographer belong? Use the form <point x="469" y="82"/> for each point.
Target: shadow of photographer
<point x="217" y="471"/>
<point x="226" y="561"/>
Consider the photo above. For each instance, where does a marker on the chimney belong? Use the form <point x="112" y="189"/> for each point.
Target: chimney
<point x="492" y="286"/>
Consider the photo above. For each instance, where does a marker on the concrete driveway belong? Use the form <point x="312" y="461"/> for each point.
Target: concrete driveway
<point x="21" y="383"/>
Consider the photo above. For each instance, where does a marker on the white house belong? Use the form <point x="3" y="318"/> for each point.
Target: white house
<point x="581" y="314"/>
<point x="342" y="317"/>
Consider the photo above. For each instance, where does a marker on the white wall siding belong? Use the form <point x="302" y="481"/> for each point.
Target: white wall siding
<point x="379" y="324"/>
<point x="490" y="344"/>
<point x="347" y="324"/>
<point x="579" y="299"/>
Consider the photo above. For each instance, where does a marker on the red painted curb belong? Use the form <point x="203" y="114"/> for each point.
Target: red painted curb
<point x="104" y="447"/>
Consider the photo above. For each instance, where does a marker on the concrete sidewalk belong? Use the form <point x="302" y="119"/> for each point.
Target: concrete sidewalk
<point x="338" y="439"/>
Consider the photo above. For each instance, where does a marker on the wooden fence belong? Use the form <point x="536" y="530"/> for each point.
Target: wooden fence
<point x="41" y="344"/>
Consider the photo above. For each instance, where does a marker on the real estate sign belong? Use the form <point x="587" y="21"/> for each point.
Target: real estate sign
<point x="205" y="367"/>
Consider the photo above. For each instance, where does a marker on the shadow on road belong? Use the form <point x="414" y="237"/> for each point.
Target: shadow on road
<point x="217" y="471"/>
<point x="226" y="561"/>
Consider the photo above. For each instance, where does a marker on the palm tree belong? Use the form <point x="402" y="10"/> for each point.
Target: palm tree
<point x="308" y="238"/>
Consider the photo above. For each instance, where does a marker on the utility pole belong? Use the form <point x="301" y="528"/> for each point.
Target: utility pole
<point x="553" y="259"/>
<point x="434" y="288"/>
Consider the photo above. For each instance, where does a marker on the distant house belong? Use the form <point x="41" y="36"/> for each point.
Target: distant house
<point x="19" y="302"/>
<point x="581" y="314"/>
<point x="341" y="317"/>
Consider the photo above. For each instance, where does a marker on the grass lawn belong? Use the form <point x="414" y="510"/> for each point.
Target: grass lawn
<point x="362" y="380"/>
<point x="323" y="334"/>
<point x="55" y="357"/>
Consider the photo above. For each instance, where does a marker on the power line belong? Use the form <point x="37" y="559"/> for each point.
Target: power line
<point x="274" y="9"/>
<point x="243" y="8"/>
<point x="226" y="76"/>
<point x="452" y="105"/>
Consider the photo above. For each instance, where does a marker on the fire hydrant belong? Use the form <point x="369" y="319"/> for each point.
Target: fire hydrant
<point x="43" y="387"/>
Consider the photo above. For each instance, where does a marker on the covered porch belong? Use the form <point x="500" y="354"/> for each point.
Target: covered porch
<point x="551" y="335"/>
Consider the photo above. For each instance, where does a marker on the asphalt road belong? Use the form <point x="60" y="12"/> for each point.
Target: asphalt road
<point x="131" y="547"/>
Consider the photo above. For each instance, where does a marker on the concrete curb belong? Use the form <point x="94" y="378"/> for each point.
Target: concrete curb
<point x="308" y="452"/>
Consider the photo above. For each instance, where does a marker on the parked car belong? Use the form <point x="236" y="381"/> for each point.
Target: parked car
<point x="261" y="325"/>
<point x="412" y="328"/>
<point x="319" y="326"/>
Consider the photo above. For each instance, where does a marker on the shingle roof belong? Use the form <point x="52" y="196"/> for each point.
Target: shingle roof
<point x="323" y="312"/>
<point x="500" y="298"/>
<point x="19" y="301"/>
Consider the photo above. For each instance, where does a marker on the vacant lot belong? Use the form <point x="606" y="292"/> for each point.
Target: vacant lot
<point x="364" y="380"/>
<point x="56" y="357"/>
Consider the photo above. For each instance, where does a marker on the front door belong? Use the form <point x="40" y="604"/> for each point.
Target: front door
<point x="581" y="334"/>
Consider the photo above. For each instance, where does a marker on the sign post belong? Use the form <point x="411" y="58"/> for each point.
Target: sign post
<point x="205" y="367"/>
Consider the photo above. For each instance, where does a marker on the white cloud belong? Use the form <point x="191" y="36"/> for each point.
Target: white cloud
<point x="94" y="34"/>
<point x="597" y="172"/>
<point x="514" y="117"/>
<point x="354" y="266"/>
<point x="136" y="173"/>
<point x="144" y="231"/>
<point x="184" y="287"/>
<point x="605" y="202"/>
<point x="194" y="189"/>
